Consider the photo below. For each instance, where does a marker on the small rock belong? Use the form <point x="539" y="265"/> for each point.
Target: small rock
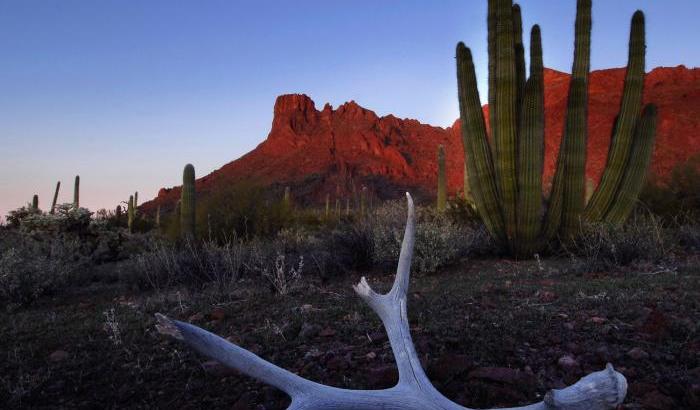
<point x="546" y="296"/>
<point x="638" y="354"/>
<point x="217" y="314"/>
<point x="58" y="356"/>
<point x="327" y="332"/>
<point x="598" y="320"/>
<point x="308" y="330"/>
<point x="371" y="355"/>
<point x="567" y="362"/>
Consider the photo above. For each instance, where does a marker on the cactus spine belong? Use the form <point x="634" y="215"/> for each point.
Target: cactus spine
<point x="504" y="172"/>
<point x="187" y="203"/>
<point x="55" y="198"/>
<point x="76" y="192"/>
<point x="130" y="214"/>
<point x="442" y="179"/>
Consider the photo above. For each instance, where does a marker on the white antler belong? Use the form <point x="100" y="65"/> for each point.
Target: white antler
<point x="601" y="390"/>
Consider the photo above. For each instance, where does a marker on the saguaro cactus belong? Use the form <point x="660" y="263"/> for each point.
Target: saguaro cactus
<point x="118" y="214"/>
<point x="55" y="198"/>
<point x="136" y="201"/>
<point x="35" y="202"/>
<point x="441" y="180"/>
<point x="130" y="214"/>
<point x="187" y="203"/>
<point x="505" y="176"/>
<point x="76" y="192"/>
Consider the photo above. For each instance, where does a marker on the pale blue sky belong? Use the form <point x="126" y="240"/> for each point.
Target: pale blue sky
<point x="125" y="93"/>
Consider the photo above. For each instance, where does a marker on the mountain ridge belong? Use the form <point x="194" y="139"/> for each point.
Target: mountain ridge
<point x="337" y="151"/>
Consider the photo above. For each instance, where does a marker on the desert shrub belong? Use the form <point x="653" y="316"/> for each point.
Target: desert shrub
<point x="689" y="236"/>
<point x="679" y="194"/>
<point x="601" y="247"/>
<point x="440" y="240"/>
<point x="190" y="264"/>
<point x="30" y="269"/>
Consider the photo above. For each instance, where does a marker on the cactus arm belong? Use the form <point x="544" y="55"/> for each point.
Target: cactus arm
<point x="482" y="177"/>
<point x="636" y="169"/>
<point x="76" y="192"/>
<point x="491" y="23"/>
<point x="519" y="57"/>
<point x="576" y="128"/>
<point x="55" y="198"/>
<point x="531" y="152"/>
<point x="130" y="214"/>
<point x="621" y="143"/>
<point x="505" y="116"/>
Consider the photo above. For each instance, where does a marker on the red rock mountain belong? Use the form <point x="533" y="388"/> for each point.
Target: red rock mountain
<point x="338" y="151"/>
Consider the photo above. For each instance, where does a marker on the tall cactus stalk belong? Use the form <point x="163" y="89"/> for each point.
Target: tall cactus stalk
<point x="505" y="173"/>
<point x="136" y="202"/>
<point x="35" y="202"/>
<point x="622" y="140"/>
<point x="130" y="214"/>
<point x="442" y="180"/>
<point x="76" y="192"/>
<point x="158" y="217"/>
<point x="187" y="203"/>
<point x="506" y="116"/>
<point x="55" y="198"/>
<point x="118" y="214"/>
<point x="636" y="169"/>
<point x="531" y="151"/>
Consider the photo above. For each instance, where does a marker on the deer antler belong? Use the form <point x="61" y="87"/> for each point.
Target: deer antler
<point x="598" y="391"/>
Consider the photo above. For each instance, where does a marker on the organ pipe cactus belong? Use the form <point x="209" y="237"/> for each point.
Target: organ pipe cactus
<point x="187" y="203"/>
<point x="55" y="198"/>
<point x="505" y="171"/>
<point x="76" y="192"/>
<point x="442" y="180"/>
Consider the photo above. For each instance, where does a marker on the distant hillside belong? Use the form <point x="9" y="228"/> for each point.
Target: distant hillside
<point x="338" y="151"/>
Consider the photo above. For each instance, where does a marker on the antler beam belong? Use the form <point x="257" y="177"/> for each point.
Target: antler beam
<point x="598" y="391"/>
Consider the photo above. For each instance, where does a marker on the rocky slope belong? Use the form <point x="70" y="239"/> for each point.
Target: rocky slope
<point x="337" y="151"/>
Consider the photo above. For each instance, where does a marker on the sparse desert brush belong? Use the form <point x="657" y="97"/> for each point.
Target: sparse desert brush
<point x="30" y="269"/>
<point x="440" y="240"/>
<point x="644" y="238"/>
<point x="679" y="195"/>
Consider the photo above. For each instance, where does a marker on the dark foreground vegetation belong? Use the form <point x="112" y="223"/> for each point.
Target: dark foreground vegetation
<point x="79" y="294"/>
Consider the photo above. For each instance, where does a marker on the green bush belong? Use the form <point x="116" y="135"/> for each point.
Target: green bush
<point x="440" y="240"/>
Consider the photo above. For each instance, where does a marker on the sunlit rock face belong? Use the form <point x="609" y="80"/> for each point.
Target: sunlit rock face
<point x="337" y="151"/>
